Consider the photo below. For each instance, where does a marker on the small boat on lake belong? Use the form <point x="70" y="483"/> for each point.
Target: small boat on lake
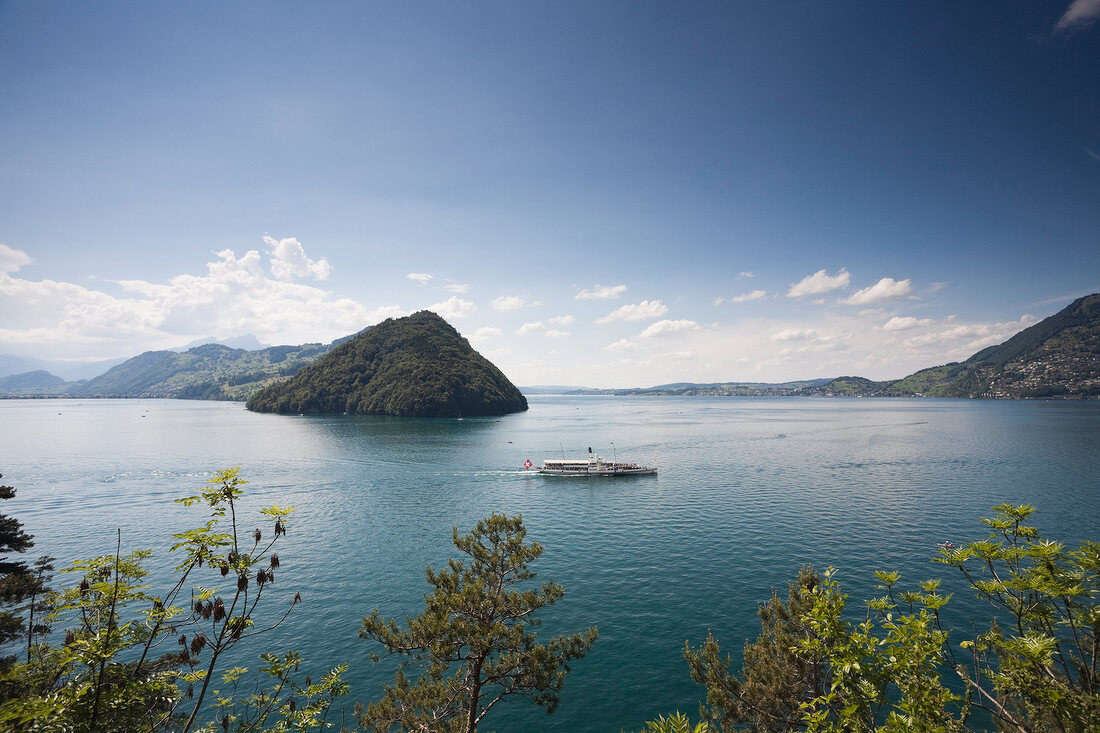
<point x="594" y="465"/>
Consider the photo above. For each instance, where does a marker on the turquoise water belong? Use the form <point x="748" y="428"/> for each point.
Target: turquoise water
<point x="748" y="490"/>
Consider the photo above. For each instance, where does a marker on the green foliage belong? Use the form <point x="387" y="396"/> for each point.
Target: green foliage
<point x="417" y="366"/>
<point x="776" y="674"/>
<point x="473" y="645"/>
<point x="675" y="723"/>
<point x="286" y="705"/>
<point x="19" y="583"/>
<point x="132" y="660"/>
<point x="884" y="676"/>
<point x="812" y="668"/>
<point x="1039" y="670"/>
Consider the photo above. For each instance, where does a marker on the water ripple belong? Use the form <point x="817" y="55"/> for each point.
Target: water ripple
<point x="748" y="491"/>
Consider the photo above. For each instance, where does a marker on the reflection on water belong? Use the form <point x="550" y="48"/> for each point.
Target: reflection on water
<point x="749" y="489"/>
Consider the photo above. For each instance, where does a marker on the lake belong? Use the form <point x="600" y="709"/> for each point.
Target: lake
<point x="749" y="489"/>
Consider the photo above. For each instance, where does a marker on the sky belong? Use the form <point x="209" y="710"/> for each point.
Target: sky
<point x="605" y="194"/>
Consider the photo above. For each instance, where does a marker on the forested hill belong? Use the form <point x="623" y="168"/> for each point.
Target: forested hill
<point x="1057" y="357"/>
<point x="210" y="371"/>
<point x="416" y="366"/>
<point x="31" y="383"/>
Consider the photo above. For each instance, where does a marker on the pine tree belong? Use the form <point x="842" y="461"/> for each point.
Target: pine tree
<point x="473" y="644"/>
<point x="18" y="581"/>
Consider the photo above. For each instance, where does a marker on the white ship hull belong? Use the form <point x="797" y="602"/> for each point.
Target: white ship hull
<point x="605" y="470"/>
<point x="592" y="466"/>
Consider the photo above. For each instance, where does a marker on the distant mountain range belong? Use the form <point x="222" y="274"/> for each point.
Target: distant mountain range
<point x="210" y="371"/>
<point x="67" y="369"/>
<point x="1057" y="357"/>
<point x="248" y="342"/>
<point x="73" y="370"/>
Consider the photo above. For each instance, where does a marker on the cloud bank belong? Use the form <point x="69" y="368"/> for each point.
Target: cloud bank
<point x="289" y="260"/>
<point x="237" y="295"/>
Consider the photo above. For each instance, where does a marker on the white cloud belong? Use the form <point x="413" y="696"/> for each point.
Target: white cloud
<point x="719" y="301"/>
<point x="745" y="274"/>
<point x="507" y="303"/>
<point x="819" y="282"/>
<point x="383" y="312"/>
<point x="666" y="328"/>
<point x="289" y="260"/>
<point x="495" y="355"/>
<point x="535" y="327"/>
<point x="1080" y="13"/>
<point x="487" y="332"/>
<point x="904" y="323"/>
<point x="453" y="307"/>
<point x="795" y="334"/>
<point x="457" y="288"/>
<point x="963" y="340"/>
<point x="825" y="342"/>
<point x="746" y="297"/>
<point x="637" y="312"/>
<point x="561" y="320"/>
<point x="420" y="277"/>
<point x="11" y="260"/>
<point x="601" y="292"/>
<point x="556" y="334"/>
<point x="884" y="289"/>
<point x="234" y="297"/>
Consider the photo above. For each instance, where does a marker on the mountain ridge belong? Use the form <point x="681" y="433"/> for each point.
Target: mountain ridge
<point x="1057" y="357"/>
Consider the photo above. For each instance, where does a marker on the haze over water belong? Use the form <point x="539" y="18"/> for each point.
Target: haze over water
<point x="748" y="490"/>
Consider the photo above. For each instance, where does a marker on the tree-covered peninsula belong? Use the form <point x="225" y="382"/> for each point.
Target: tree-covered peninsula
<point x="416" y="366"/>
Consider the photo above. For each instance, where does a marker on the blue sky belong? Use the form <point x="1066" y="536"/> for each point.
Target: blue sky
<point x="597" y="193"/>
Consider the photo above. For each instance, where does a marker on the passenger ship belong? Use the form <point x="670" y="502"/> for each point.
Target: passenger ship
<point x="592" y="466"/>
